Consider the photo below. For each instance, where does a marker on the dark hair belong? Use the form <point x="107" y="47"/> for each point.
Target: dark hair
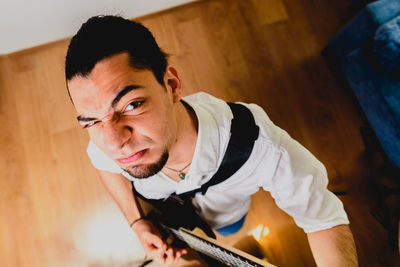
<point x="104" y="36"/>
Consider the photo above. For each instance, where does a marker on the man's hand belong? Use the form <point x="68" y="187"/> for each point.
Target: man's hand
<point x="153" y="244"/>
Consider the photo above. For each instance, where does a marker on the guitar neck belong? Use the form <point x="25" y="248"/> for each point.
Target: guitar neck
<point x="226" y="255"/>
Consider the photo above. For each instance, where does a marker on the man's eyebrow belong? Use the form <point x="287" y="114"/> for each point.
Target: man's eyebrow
<point x="84" y="119"/>
<point x="120" y="95"/>
<point x="123" y="92"/>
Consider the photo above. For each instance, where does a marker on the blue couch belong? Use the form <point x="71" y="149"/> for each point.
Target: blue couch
<point x="367" y="53"/>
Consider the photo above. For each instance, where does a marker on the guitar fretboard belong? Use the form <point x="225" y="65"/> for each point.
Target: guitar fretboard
<point x="226" y="255"/>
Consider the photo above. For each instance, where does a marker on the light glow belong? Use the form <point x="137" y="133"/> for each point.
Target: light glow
<point x="106" y="237"/>
<point x="259" y="232"/>
<point x="266" y="231"/>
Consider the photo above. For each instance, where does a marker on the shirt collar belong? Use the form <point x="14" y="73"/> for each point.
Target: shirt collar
<point x="207" y="152"/>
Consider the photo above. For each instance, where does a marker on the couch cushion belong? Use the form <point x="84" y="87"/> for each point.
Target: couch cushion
<point x="386" y="46"/>
<point x="368" y="87"/>
<point x="390" y="89"/>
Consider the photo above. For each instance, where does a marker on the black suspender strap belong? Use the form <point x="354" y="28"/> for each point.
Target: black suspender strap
<point x="244" y="132"/>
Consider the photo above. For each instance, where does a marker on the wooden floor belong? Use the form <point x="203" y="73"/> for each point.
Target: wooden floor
<point x="55" y="212"/>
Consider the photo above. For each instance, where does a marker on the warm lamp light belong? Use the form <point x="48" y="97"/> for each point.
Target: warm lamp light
<point x="266" y="231"/>
<point x="259" y="231"/>
<point x="107" y="238"/>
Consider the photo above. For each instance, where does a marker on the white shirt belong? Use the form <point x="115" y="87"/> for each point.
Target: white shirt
<point x="294" y="177"/>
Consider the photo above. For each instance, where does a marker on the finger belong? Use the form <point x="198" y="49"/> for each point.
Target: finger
<point x="169" y="257"/>
<point x="163" y="258"/>
<point x="155" y="247"/>
<point x="160" y="253"/>
<point x="183" y="251"/>
<point x="156" y="244"/>
<point x="169" y="253"/>
<point x="175" y="253"/>
<point x="156" y="241"/>
<point x="178" y="254"/>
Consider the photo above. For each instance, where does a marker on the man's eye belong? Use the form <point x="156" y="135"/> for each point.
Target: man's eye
<point x="90" y="124"/>
<point x="133" y="105"/>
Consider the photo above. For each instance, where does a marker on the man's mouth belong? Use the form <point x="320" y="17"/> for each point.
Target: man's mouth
<point x="132" y="158"/>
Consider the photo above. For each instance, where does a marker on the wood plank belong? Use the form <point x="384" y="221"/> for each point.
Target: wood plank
<point x="15" y="196"/>
<point x="270" y="11"/>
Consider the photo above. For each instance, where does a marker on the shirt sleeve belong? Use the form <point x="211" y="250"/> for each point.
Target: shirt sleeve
<point x="100" y="160"/>
<point x="296" y="179"/>
<point x="299" y="187"/>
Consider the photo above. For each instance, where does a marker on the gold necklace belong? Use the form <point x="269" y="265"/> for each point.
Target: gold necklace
<point x="181" y="174"/>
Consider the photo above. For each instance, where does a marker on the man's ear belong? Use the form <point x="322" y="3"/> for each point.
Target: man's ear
<point x="173" y="83"/>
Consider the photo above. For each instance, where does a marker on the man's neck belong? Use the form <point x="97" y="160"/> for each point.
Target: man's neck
<point x="181" y="153"/>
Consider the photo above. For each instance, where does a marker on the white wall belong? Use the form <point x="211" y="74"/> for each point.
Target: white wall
<point x="28" y="23"/>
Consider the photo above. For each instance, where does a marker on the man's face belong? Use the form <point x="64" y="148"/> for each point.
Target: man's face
<point x="127" y="113"/>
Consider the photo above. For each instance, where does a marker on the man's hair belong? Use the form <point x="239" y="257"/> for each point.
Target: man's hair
<point x="104" y="36"/>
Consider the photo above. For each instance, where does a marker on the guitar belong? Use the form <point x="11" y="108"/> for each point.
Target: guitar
<point x="214" y="252"/>
<point x="200" y="238"/>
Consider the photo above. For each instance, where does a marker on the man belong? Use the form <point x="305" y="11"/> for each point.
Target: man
<point x="141" y="130"/>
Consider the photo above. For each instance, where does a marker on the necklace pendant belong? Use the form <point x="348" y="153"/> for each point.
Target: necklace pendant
<point x="182" y="175"/>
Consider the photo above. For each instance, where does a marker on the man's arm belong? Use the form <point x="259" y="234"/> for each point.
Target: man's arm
<point x="120" y="189"/>
<point x="333" y="247"/>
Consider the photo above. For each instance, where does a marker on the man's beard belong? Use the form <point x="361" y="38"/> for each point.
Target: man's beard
<point x="147" y="170"/>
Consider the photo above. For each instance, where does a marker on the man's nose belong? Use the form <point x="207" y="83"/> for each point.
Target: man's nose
<point x="116" y="135"/>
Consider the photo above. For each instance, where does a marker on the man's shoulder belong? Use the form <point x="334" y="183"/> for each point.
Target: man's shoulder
<point x="203" y="98"/>
<point x="220" y="111"/>
<point x="212" y="102"/>
<point x="208" y="107"/>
